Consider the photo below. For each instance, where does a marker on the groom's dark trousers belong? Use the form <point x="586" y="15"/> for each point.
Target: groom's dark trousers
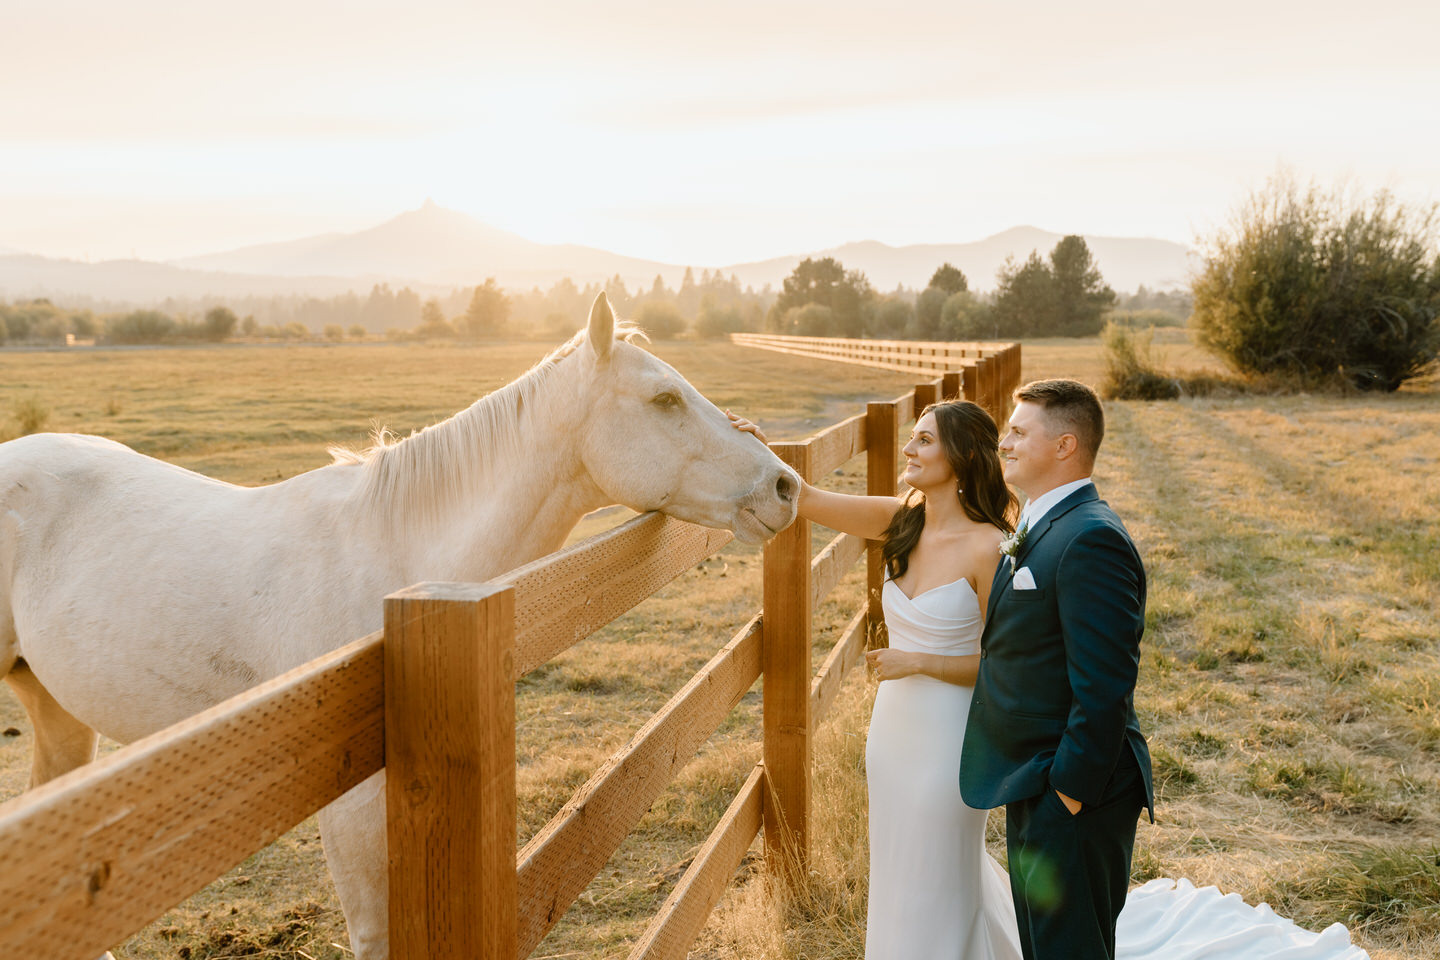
<point x="1054" y="710"/>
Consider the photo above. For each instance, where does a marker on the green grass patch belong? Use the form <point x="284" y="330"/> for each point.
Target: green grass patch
<point x="1385" y="886"/>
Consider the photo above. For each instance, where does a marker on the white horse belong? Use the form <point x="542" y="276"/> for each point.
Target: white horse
<point x="134" y="593"/>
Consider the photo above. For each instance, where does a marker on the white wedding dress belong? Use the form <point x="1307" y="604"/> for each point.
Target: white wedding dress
<point x="935" y="894"/>
<point x="934" y="891"/>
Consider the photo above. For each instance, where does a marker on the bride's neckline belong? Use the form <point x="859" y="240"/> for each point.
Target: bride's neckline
<point x="931" y="590"/>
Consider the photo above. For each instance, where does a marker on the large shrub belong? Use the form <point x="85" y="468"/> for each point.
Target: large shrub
<point x="661" y="319"/>
<point x="220" y="324"/>
<point x="42" y="321"/>
<point x="140" y="326"/>
<point x="1130" y="372"/>
<point x="809" y="320"/>
<point x="717" y="321"/>
<point x="1304" y="283"/>
<point x="891" y="320"/>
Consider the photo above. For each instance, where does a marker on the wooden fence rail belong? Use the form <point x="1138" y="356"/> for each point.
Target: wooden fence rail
<point x="918" y="356"/>
<point x="95" y="855"/>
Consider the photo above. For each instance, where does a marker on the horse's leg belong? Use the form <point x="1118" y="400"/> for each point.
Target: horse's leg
<point x="62" y="743"/>
<point x="353" y="832"/>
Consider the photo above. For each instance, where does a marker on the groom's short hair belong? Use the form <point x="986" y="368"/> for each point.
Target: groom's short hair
<point x="1071" y="407"/>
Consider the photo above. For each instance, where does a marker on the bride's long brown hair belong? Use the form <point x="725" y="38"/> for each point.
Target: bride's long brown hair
<point x="971" y="443"/>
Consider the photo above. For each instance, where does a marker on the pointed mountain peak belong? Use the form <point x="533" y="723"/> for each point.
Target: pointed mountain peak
<point x="1024" y="232"/>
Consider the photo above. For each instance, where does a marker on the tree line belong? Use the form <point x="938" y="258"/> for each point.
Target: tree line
<point x="1062" y="295"/>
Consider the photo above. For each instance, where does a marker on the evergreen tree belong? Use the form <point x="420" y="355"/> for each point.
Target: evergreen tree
<point x="432" y="321"/>
<point x="488" y="312"/>
<point x="1025" y="302"/>
<point x="1081" y="295"/>
<point x="688" y="299"/>
<point x="619" y="296"/>
<point x="926" y="323"/>
<point x="847" y="295"/>
<point x="949" y="279"/>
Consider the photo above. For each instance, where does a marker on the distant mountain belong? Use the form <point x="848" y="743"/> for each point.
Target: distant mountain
<point x="143" y="283"/>
<point x="435" y="246"/>
<point x="433" y="249"/>
<point x="1126" y="263"/>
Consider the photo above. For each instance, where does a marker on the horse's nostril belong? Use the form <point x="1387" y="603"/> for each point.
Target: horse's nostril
<point x="785" y="487"/>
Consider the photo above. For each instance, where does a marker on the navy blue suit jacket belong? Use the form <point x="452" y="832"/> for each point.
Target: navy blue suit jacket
<point x="1054" y="702"/>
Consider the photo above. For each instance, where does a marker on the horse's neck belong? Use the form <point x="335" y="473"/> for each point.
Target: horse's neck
<point x="529" y="518"/>
<point x="520" y="504"/>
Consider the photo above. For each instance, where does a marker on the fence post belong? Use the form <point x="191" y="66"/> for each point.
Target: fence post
<point x="971" y="383"/>
<point x="982" y="385"/>
<point x="1012" y="376"/>
<point x="882" y="438"/>
<point x="1000" y="366"/>
<point x="450" y="771"/>
<point x="951" y="387"/>
<point x="926" y="394"/>
<point x="993" y="374"/>
<point x="785" y="660"/>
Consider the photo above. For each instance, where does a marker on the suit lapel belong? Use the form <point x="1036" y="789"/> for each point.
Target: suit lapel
<point x="1003" y="573"/>
<point x="1083" y="495"/>
<point x="997" y="584"/>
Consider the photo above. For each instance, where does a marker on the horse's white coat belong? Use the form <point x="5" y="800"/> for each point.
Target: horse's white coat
<point x="134" y="593"/>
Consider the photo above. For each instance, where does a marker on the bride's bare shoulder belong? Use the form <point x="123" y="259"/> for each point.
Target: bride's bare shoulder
<point x="986" y="535"/>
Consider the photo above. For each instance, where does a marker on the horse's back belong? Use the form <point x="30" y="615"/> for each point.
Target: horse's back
<point x="122" y="576"/>
<point x="74" y="494"/>
<point x="53" y="460"/>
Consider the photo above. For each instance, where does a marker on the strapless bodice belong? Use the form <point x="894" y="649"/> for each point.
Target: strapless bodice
<point x="944" y="620"/>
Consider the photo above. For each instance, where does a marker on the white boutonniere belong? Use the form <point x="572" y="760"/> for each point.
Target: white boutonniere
<point x="1011" y="545"/>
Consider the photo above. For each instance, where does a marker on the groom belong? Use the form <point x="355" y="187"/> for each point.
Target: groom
<point x="1052" y="732"/>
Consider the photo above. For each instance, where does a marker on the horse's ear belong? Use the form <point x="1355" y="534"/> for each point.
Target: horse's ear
<point x="601" y="331"/>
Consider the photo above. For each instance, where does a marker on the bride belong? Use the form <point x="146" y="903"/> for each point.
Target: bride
<point x="934" y="892"/>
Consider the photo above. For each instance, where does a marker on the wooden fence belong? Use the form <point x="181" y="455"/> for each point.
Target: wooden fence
<point x="993" y="383"/>
<point x="93" y="856"/>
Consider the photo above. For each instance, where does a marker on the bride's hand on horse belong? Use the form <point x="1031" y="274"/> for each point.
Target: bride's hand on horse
<point x="867" y="517"/>
<point x="746" y="426"/>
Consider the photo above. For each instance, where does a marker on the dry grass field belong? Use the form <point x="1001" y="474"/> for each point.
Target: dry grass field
<point x="1289" y="682"/>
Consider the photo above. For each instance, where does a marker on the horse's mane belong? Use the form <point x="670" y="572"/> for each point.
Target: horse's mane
<point x="416" y="477"/>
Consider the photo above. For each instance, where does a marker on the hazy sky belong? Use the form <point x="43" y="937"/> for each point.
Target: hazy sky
<point x="694" y="133"/>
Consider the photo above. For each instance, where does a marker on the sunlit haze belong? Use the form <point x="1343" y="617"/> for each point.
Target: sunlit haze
<point x="689" y="133"/>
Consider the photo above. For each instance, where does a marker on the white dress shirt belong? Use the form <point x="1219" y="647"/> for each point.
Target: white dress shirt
<point x="1036" y="509"/>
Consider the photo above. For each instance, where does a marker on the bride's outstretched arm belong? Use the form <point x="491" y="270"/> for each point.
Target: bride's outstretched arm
<point x="893" y="664"/>
<point x="867" y="517"/>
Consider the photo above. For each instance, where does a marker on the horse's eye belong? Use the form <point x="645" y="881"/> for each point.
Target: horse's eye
<point x="666" y="400"/>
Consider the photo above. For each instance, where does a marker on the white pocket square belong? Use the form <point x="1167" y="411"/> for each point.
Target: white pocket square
<point x="1024" y="579"/>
